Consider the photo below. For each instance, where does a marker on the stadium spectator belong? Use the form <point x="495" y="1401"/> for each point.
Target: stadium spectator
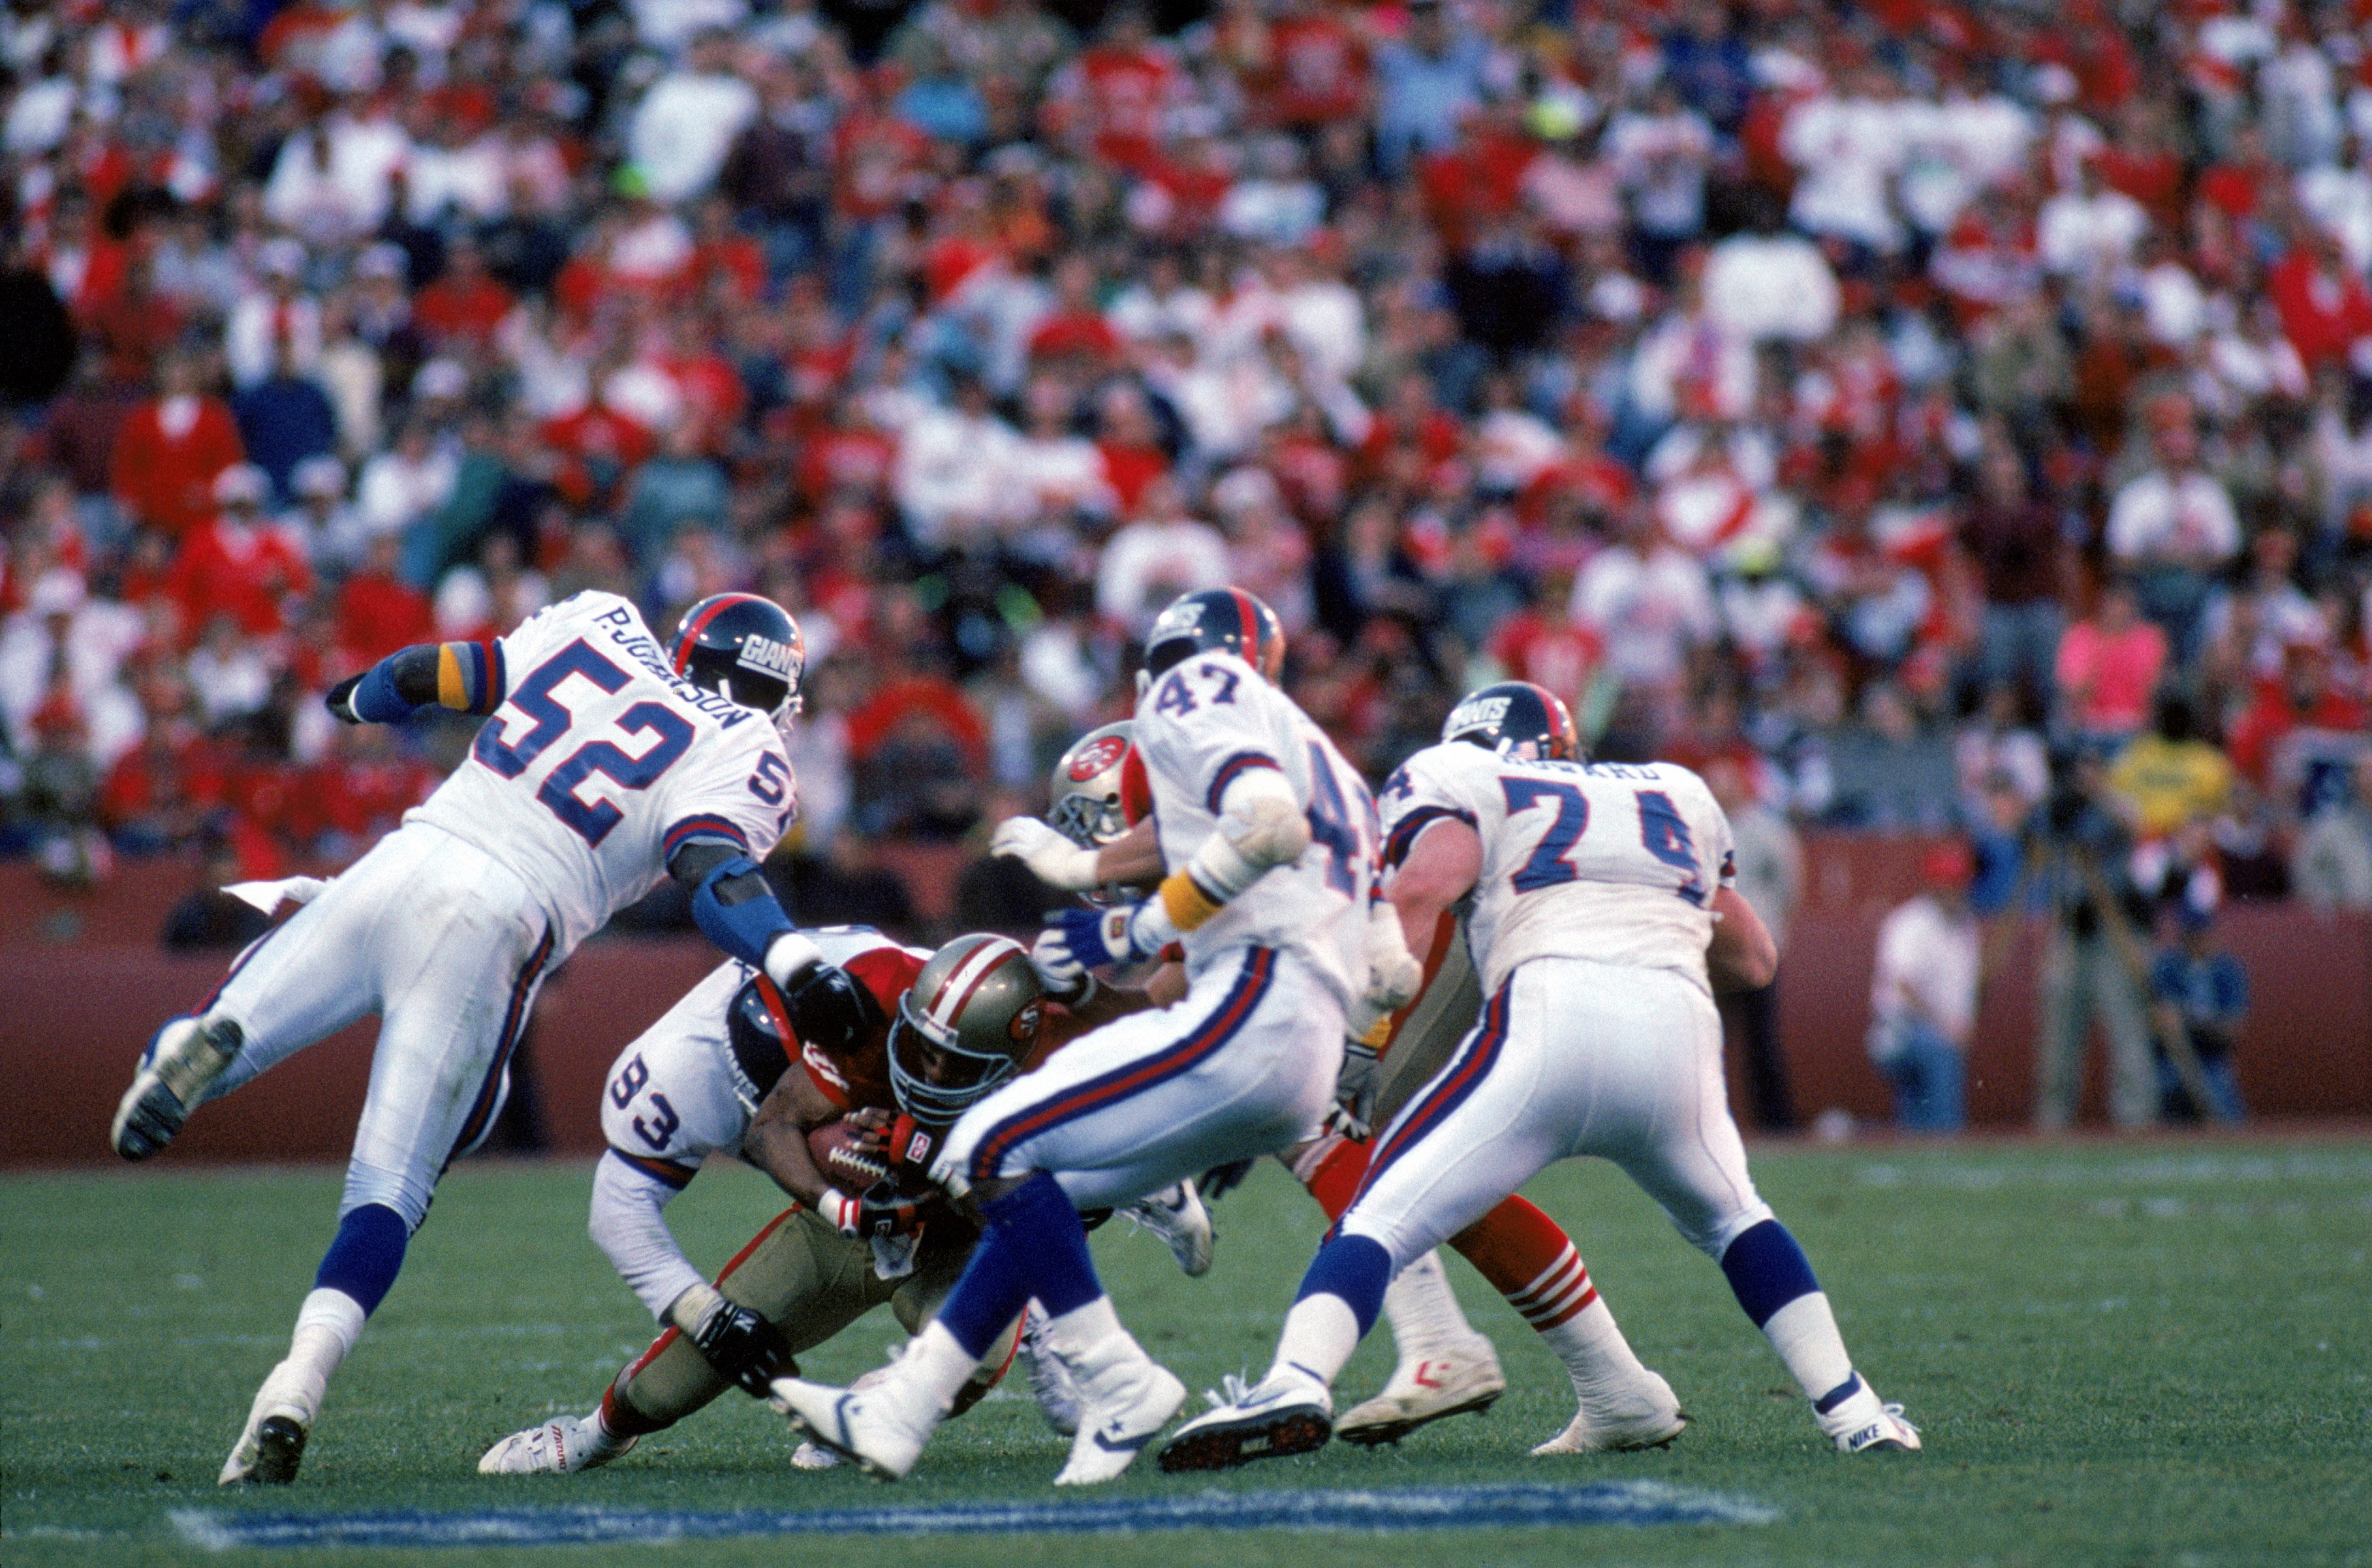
<point x="1769" y="858"/>
<point x="1922" y="996"/>
<point x="2199" y="992"/>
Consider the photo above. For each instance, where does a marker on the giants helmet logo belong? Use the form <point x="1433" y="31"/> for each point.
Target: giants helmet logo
<point x="769" y="656"/>
<point x="1479" y="714"/>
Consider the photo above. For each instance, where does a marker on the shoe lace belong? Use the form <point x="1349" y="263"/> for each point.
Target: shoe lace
<point x="1895" y="1409"/>
<point x="1231" y="1390"/>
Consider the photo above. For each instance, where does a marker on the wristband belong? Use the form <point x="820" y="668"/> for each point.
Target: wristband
<point x="839" y="1211"/>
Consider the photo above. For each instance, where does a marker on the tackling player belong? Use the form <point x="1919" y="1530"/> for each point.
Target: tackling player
<point x="607" y="762"/>
<point x="1269" y="837"/>
<point x="1099" y="845"/>
<point x="734" y="1068"/>
<point x="1603" y="914"/>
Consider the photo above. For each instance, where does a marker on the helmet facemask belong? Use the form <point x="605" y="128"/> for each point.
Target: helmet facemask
<point x="934" y="1079"/>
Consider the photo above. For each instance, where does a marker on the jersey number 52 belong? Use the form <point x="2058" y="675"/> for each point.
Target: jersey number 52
<point x="534" y="697"/>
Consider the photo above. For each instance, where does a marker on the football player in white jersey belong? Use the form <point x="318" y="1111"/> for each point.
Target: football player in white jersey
<point x="1097" y="846"/>
<point x="1269" y="838"/>
<point x="607" y="762"/>
<point x="1603" y="915"/>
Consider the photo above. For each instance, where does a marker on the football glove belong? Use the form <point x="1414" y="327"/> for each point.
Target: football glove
<point x="1051" y="858"/>
<point x="733" y="1339"/>
<point x="881" y="1212"/>
<point x="1092" y="938"/>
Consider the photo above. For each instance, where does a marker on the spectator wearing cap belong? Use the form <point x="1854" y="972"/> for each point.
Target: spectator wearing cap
<point x="240" y="568"/>
<point x="277" y="324"/>
<point x="1922" y="994"/>
<point x="463" y="310"/>
<point x="65" y="646"/>
<point x="2201" y="991"/>
<point x="170" y="448"/>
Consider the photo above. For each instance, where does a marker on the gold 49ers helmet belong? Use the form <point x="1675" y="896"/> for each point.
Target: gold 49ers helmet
<point x="1089" y="785"/>
<point x="966" y="1026"/>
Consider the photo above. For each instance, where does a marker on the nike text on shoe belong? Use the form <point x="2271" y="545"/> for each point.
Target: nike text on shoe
<point x="858" y="1427"/>
<point x="1889" y="1434"/>
<point x="562" y="1445"/>
<point x="1426" y="1390"/>
<point x="1283" y="1416"/>
<point x="1120" y="1420"/>
<point x="184" y="1058"/>
<point x="1645" y="1415"/>
<point x="1177" y="1215"/>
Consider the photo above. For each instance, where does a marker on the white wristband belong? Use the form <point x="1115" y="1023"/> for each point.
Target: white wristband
<point x="788" y="954"/>
<point x="839" y="1211"/>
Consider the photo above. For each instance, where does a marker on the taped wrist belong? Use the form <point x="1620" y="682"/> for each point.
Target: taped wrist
<point x="735" y="909"/>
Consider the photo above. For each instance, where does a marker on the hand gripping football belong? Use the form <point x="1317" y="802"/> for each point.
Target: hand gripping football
<point x="850" y="1153"/>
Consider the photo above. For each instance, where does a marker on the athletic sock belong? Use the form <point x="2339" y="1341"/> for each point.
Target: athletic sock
<point x="366" y="1255"/>
<point x="1032" y="1244"/>
<point x="1339" y="1297"/>
<point x="1424" y="1313"/>
<point x="327" y="1327"/>
<point x="1774" y="1284"/>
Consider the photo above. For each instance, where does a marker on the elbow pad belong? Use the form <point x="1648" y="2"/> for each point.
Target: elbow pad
<point x="1262" y="829"/>
<point x="735" y="909"/>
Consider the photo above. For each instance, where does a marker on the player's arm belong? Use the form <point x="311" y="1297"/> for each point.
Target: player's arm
<point x="1440" y="863"/>
<point x="627" y="1224"/>
<point x="1133" y="859"/>
<point x="469" y="678"/>
<point x="735" y="908"/>
<point x="777" y="1145"/>
<point x="1741" y="956"/>
<point x="1261" y="825"/>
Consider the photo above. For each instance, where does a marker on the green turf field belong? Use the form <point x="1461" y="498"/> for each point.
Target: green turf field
<point x="2146" y="1353"/>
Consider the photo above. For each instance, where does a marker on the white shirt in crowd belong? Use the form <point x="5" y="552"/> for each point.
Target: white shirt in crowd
<point x="1928" y="969"/>
<point x="1151" y="562"/>
<point x="2077" y="235"/>
<point x="1771" y="286"/>
<point x="1849" y="150"/>
<point x="683" y="128"/>
<point x="2159" y="514"/>
<point x="1650" y="611"/>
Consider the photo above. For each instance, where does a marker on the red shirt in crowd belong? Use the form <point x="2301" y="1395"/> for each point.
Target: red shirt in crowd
<point x="243" y="570"/>
<point x="1129" y="468"/>
<point x="2273" y="715"/>
<point x="378" y="613"/>
<point x="1320" y="73"/>
<point x="468" y="310"/>
<point x="165" y="470"/>
<point x="1123" y="95"/>
<point x="879" y="716"/>
<point x="2323" y="312"/>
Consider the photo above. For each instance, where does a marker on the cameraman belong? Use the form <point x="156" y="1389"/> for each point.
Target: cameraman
<point x="2092" y="970"/>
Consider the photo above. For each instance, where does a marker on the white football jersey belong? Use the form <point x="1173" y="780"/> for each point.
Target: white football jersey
<point x="1611" y="861"/>
<point x="1199" y="728"/>
<point x="670" y="1102"/>
<point x="602" y="760"/>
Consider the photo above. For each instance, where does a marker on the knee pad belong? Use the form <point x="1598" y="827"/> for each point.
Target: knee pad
<point x="1714" y="1239"/>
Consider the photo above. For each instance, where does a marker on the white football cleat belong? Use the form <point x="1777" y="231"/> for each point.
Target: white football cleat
<point x="175" y="1070"/>
<point x="865" y="1425"/>
<point x="1867" y="1424"/>
<point x="271" y="1445"/>
<point x="1177" y="1215"/>
<point x="1284" y="1415"/>
<point x="1121" y="1409"/>
<point x="562" y="1445"/>
<point x="1646" y="1415"/>
<point x="1427" y="1390"/>
<point x="1051" y="1382"/>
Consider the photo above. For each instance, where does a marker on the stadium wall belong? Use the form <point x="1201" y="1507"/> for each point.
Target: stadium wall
<point x="82" y="987"/>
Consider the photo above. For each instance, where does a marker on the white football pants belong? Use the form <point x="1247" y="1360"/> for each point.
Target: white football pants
<point x="1242" y="1065"/>
<point x="1569" y="1057"/>
<point x="447" y="945"/>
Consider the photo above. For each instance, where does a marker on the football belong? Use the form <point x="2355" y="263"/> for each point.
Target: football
<point x="848" y="1156"/>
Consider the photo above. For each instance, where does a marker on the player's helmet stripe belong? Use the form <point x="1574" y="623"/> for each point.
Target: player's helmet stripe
<point x="689" y="638"/>
<point x="956" y="992"/>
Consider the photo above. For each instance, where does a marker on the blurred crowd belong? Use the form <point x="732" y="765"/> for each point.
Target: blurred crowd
<point x="1903" y="406"/>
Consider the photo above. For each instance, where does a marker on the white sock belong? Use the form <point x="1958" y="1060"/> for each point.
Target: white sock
<point x="929" y="1373"/>
<point x="1596" y="1355"/>
<point x="1424" y="1312"/>
<point x="1805" y="1334"/>
<point x="1320" y="1335"/>
<point x="327" y="1327"/>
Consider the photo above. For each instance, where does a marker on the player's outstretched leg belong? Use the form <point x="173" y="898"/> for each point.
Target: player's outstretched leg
<point x="181" y="1062"/>
<point x="355" y="1272"/>
<point x="1443" y="1367"/>
<point x="1536" y="1266"/>
<point x="1032" y="1244"/>
<point x="1774" y="1284"/>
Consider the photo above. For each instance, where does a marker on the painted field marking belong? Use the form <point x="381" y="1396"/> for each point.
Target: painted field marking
<point x="1628" y="1502"/>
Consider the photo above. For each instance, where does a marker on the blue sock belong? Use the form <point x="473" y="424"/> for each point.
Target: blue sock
<point x="1354" y="1268"/>
<point x="1032" y="1244"/>
<point x="367" y="1254"/>
<point x="1767" y="1269"/>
